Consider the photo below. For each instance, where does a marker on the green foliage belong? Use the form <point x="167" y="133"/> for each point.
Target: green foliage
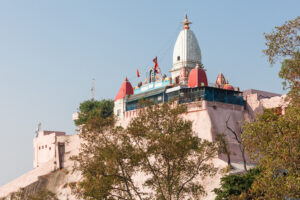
<point x="274" y="139"/>
<point x="90" y="109"/>
<point x="235" y="184"/>
<point x="158" y="145"/>
<point x="107" y="163"/>
<point x="173" y="156"/>
<point x="290" y="72"/>
<point x="42" y="195"/>
<point x="39" y="195"/>
<point x="283" y="42"/>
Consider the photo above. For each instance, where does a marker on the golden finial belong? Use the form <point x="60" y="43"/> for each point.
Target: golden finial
<point x="186" y="23"/>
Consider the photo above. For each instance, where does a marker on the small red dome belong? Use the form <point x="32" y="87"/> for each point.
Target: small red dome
<point x="220" y="79"/>
<point x="126" y="89"/>
<point x="197" y="78"/>
<point x="228" y="87"/>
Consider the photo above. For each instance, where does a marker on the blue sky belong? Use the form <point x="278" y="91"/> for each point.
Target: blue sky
<point x="51" y="50"/>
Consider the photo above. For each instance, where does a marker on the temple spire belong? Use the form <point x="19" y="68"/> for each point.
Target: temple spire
<point x="186" y="51"/>
<point x="186" y="23"/>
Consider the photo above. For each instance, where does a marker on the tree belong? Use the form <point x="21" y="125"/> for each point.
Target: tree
<point x="107" y="160"/>
<point x="91" y="108"/>
<point x="283" y="44"/>
<point x="233" y="185"/>
<point x="273" y="139"/>
<point x="237" y="137"/>
<point x="158" y="145"/>
<point x="173" y="157"/>
<point x="108" y="164"/>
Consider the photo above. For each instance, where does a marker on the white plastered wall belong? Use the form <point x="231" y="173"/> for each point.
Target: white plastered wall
<point x="44" y="149"/>
<point x="119" y="108"/>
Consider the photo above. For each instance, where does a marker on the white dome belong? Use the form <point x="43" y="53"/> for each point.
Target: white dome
<point x="186" y="50"/>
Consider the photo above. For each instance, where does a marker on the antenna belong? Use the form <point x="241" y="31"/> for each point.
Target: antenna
<point x="93" y="89"/>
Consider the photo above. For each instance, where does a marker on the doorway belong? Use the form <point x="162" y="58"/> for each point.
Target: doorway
<point x="61" y="154"/>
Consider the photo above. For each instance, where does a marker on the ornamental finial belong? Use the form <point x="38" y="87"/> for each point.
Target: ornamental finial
<point x="186" y="23"/>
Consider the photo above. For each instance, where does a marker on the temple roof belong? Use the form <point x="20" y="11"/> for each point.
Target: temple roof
<point x="146" y="94"/>
<point x="126" y="89"/>
<point x="228" y="87"/>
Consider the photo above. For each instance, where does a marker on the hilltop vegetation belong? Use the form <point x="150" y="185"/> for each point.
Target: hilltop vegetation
<point x="90" y="109"/>
<point x="158" y="143"/>
<point x="273" y="138"/>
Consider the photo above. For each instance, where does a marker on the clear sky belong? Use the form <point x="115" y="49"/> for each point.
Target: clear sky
<point x="51" y="50"/>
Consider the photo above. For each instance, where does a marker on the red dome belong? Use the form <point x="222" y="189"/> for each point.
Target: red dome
<point x="197" y="78"/>
<point x="126" y="89"/>
<point x="228" y="87"/>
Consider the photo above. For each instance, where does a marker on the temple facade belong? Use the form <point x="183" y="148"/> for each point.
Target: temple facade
<point x="214" y="107"/>
<point x="187" y="82"/>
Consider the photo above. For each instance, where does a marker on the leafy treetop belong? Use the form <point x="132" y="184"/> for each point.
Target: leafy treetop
<point x="273" y="139"/>
<point x="92" y="108"/>
<point x="158" y="146"/>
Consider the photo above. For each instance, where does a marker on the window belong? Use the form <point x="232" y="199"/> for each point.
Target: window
<point x="178" y="58"/>
<point x="45" y="146"/>
<point x="49" y="148"/>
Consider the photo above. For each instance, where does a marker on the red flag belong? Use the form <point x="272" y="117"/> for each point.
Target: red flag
<point x="137" y="73"/>
<point x="156" y="65"/>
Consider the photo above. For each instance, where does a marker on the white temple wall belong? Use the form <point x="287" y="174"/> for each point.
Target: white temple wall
<point x="197" y="113"/>
<point x="219" y="114"/>
<point x="119" y="108"/>
<point x="257" y="102"/>
<point x="273" y="102"/>
<point x="72" y="147"/>
<point x="44" y="149"/>
<point x="55" y="149"/>
<point x="175" y="73"/>
<point x="209" y="119"/>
